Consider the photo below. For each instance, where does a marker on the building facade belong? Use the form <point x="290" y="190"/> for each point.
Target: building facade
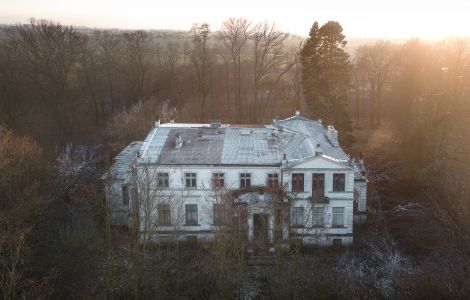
<point x="276" y="183"/>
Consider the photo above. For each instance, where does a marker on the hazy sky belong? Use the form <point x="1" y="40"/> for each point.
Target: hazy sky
<point x="429" y="19"/>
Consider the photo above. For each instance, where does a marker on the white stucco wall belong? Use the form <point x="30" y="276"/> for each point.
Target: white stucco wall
<point x="177" y="195"/>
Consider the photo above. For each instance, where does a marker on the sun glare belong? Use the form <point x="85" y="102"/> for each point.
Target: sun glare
<point x="365" y="18"/>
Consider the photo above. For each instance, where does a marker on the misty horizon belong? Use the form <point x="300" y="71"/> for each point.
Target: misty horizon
<point x="361" y="19"/>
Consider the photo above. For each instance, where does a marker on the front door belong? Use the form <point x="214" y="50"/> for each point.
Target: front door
<point x="260" y="231"/>
<point x="318" y="187"/>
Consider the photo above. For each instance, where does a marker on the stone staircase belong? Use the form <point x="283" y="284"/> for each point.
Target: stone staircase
<point x="261" y="260"/>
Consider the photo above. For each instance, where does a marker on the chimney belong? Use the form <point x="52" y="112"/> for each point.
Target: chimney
<point x="216" y="124"/>
<point x="318" y="150"/>
<point x="178" y="141"/>
<point x="297" y="112"/>
<point x="284" y="160"/>
<point x="332" y="135"/>
<point x="157" y="122"/>
<point x="275" y="119"/>
<point x="172" y="121"/>
<point x="351" y="161"/>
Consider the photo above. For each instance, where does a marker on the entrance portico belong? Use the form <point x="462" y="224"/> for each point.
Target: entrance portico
<point x="267" y="221"/>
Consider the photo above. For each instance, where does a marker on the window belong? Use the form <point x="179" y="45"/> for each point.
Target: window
<point x="191" y="214"/>
<point x="338" y="182"/>
<point x="163" y="180"/>
<point x="338" y="216"/>
<point x="190" y="179"/>
<point x="298" y="182"/>
<point x="218" y="180"/>
<point x="297" y="216"/>
<point x="164" y="214"/>
<point x="134" y="195"/>
<point x="245" y="180"/>
<point x="191" y="239"/>
<point x="318" y="216"/>
<point x="125" y="196"/>
<point x="318" y="186"/>
<point x="220" y="214"/>
<point x="273" y="180"/>
<point x="337" y="242"/>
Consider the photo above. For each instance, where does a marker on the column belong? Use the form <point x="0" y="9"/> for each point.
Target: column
<point x="285" y="225"/>
<point x="250" y="223"/>
<point x="271" y="228"/>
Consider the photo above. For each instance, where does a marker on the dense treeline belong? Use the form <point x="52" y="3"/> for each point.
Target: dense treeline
<point x="59" y="83"/>
<point x="403" y="105"/>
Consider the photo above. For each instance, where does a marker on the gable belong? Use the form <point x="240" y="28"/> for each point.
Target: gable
<point x="320" y="162"/>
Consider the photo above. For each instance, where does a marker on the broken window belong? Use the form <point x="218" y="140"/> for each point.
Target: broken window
<point x="298" y="182"/>
<point x="338" y="216"/>
<point x="339" y="182"/>
<point x="218" y="180"/>
<point x="164" y="214"/>
<point x="273" y="180"/>
<point x="190" y="179"/>
<point x="191" y="214"/>
<point x="163" y="180"/>
<point x="245" y="180"/>
<point x="297" y="216"/>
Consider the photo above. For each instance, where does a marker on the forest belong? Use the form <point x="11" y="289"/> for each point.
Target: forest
<point x="71" y="98"/>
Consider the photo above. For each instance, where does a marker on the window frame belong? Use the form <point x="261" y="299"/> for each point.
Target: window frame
<point x="298" y="214"/>
<point x="125" y="195"/>
<point x="165" y="178"/>
<point x="218" y="181"/>
<point x="191" y="178"/>
<point x="342" y="177"/>
<point x="296" y="187"/>
<point x="191" y="215"/>
<point x="166" y="216"/>
<point x="219" y="214"/>
<point x="245" y="178"/>
<point x="318" y="216"/>
<point x="320" y="194"/>
<point x="272" y="180"/>
<point x="335" y="215"/>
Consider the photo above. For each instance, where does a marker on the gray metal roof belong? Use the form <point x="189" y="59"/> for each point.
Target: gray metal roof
<point x="299" y="136"/>
<point x="237" y="144"/>
<point x="121" y="169"/>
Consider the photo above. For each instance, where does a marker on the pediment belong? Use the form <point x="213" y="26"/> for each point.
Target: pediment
<point x="319" y="162"/>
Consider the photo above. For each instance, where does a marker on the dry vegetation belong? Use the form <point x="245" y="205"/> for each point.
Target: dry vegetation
<point x="405" y="106"/>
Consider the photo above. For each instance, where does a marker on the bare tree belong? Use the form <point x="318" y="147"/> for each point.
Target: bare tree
<point x="50" y="53"/>
<point x="108" y="44"/>
<point x="359" y="84"/>
<point x="377" y="60"/>
<point x="171" y="77"/>
<point x="200" y="60"/>
<point x="139" y="55"/>
<point x="267" y="42"/>
<point x="235" y="34"/>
